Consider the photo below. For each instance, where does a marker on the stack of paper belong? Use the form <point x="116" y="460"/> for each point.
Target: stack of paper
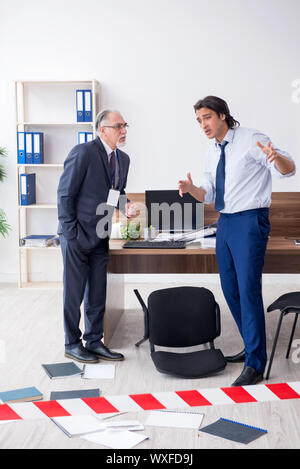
<point x="37" y="240"/>
<point x="113" y="434"/>
<point x="208" y="230"/>
<point x="209" y="242"/>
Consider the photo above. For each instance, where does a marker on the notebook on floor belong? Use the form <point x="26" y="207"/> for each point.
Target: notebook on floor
<point x="74" y="394"/>
<point x="78" y="425"/>
<point x="21" y="395"/>
<point x="234" y="431"/>
<point x="62" y="370"/>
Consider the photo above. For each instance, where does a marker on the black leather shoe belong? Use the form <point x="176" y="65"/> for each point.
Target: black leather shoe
<point x="238" y="358"/>
<point x="81" y="354"/>
<point x="248" y="376"/>
<point x="105" y="354"/>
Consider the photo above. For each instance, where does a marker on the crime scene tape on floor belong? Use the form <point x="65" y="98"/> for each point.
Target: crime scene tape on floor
<point x="150" y="401"/>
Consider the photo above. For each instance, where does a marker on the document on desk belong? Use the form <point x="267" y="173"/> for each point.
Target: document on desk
<point x="207" y="243"/>
<point x="193" y="235"/>
<point x="170" y="418"/>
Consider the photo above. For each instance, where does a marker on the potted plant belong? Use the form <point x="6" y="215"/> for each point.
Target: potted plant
<point x="131" y="230"/>
<point x="4" y="226"/>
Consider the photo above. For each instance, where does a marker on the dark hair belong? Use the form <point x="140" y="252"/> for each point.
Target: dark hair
<point x="219" y="106"/>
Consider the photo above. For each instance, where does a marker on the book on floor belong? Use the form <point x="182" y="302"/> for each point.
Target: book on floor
<point x="74" y="394"/>
<point x="21" y="395"/>
<point x="62" y="370"/>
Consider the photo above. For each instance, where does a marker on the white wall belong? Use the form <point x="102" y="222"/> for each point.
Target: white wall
<point x="155" y="59"/>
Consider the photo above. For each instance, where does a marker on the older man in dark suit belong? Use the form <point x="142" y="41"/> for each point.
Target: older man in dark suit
<point x="93" y="172"/>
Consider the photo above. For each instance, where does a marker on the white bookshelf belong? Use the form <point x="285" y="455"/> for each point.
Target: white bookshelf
<point x="48" y="107"/>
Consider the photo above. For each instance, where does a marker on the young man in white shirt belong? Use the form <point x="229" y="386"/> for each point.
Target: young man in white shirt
<point x="238" y="178"/>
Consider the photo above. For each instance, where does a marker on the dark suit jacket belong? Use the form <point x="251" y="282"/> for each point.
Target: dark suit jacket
<point x="84" y="184"/>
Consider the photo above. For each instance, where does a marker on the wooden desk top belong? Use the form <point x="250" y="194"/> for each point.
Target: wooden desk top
<point x="277" y="245"/>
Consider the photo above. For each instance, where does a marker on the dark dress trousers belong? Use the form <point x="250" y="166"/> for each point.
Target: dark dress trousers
<point x="84" y="184"/>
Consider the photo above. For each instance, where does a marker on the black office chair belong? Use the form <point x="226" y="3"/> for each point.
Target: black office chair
<point x="183" y="317"/>
<point x="287" y="303"/>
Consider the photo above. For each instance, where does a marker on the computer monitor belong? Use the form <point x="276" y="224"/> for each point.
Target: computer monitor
<point x="168" y="211"/>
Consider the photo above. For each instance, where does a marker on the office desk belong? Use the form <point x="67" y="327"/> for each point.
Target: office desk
<point x="282" y="256"/>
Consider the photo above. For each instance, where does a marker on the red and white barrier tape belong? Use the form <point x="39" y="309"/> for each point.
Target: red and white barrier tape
<point x="150" y="401"/>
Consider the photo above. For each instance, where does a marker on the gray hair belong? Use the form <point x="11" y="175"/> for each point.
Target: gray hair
<point x="102" y="117"/>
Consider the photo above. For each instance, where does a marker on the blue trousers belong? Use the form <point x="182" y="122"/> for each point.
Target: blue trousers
<point x="240" y="248"/>
<point x="84" y="281"/>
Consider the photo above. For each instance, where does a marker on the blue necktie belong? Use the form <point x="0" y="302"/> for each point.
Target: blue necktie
<point x="220" y="179"/>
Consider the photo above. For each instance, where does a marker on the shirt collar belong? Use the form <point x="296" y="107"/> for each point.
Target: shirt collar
<point x="228" y="137"/>
<point x="107" y="147"/>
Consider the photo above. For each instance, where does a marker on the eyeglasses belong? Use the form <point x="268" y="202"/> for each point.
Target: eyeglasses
<point x="118" y="126"/>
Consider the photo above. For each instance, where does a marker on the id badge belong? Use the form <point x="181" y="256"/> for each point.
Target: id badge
<point x="113" y="197"/>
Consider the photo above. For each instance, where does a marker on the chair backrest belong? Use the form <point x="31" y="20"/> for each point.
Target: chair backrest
<point x="183" y="317"/>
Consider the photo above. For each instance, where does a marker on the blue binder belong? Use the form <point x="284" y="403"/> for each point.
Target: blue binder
<point x="38" y="147"/>
<point x="80" y="105"/>
<point x="81" y="137"/>
<point x="21" y="148"/>
<point x="84" y="137"/>
<point x="88" y="106"/>
<point x="27" y="189"/>
<point x="29" y="144"/>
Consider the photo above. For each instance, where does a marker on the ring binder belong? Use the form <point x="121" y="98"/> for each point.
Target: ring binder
<point x="84" y="137"/>
<point x="21" y="148"/>
<point x="80" y="105"/>
<point x="87" y="105"/>
<point x="38" y="147"/>
<point x="29" y="145"/>
<point x="27" y="189"/>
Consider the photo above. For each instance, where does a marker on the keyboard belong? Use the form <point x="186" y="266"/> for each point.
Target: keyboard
<point x="147" y="244"/>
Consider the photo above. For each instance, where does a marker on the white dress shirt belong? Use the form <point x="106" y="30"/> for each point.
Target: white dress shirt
<point x="248" y="172"/>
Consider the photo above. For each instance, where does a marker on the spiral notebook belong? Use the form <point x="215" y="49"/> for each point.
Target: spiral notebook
<point x="171" y="418"/>
<point x="234" y="431"/>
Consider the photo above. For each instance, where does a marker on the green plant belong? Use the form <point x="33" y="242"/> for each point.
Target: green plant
<point x="131" y="230"/>
<point x="4" y="226"/>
